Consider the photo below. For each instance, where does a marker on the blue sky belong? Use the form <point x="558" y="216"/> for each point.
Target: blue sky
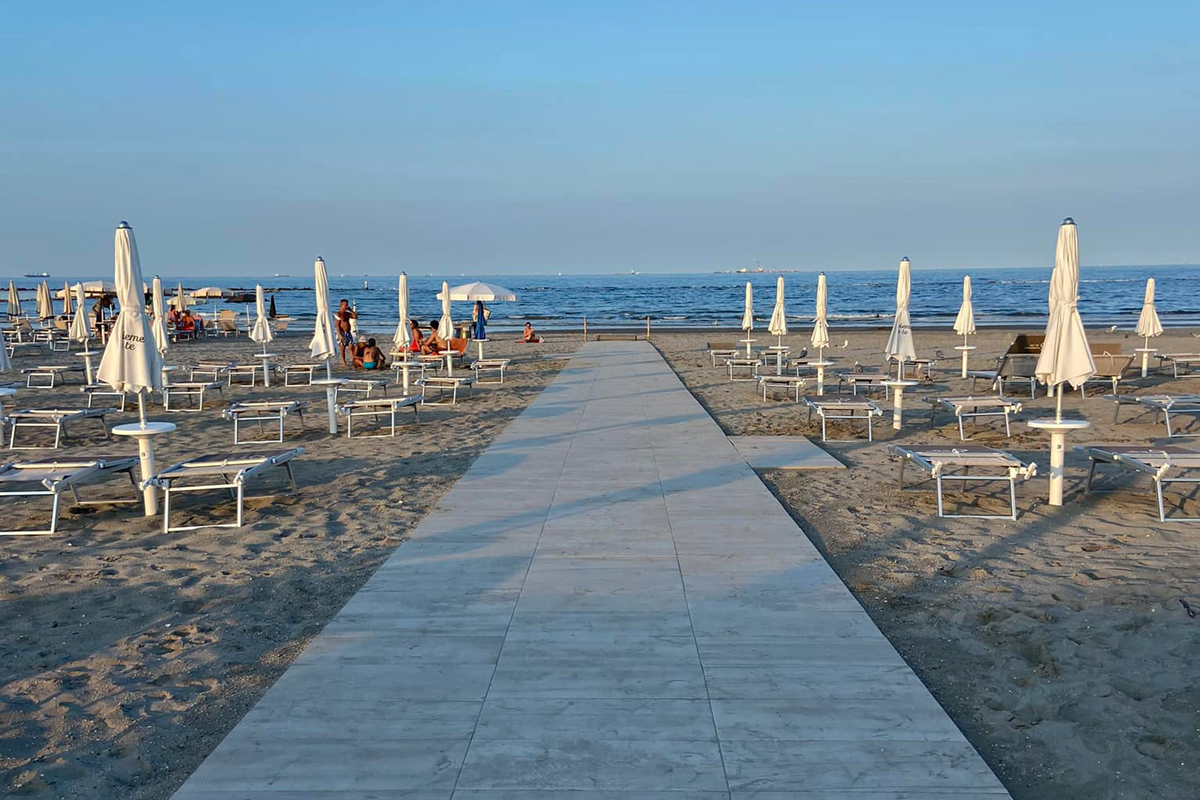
<point x="597" y="136"/>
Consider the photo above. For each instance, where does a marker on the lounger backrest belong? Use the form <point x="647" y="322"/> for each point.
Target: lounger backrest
<point x="227" y="323"/>
<point x="459" y="346"/>
<point x="721" y="346"/>
<point x="281" y="324"/>
<point x="1111" y="366"/>
<point x="1105" y="348"/>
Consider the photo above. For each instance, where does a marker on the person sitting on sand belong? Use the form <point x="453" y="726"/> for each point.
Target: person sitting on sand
<point x="371" y="357"/>
<point x="528" y="337"/>
<point x="435" y="342"/>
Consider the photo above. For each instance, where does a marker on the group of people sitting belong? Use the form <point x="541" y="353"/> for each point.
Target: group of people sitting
<point x="184" y="322"/>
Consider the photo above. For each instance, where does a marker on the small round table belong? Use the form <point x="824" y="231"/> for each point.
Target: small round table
<point x="748" y="342"/>
<point x="965" y="349"/>
<point x="779" y="349"/>
<point x="404" y="365"/>
<point x="86" y="355"/>
<point x="330" y="385"/>
<point x="1145" y="351"/>
<point x="144" y="434"/>
<point x="1058" y="438"/>
<point x="898" y="388"/>
<point x="266" y="361"/>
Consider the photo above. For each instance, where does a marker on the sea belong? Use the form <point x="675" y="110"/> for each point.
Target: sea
<point x="1108" y="296"/>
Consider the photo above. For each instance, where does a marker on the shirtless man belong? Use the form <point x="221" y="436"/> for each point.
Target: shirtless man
<point x="341" y="321"/>
<point x="372" y="357"/>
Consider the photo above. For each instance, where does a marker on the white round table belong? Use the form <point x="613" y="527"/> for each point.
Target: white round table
<point x="748" y="342"/>
<point x="898" y="388"/>
<point x="266" y="361"/>
<point x="330" y="385"/>
<point x="965" y="349"/>
<point x="86" y="355"/>
<point x="1145" y="351"/>
<point x="1058" y="438"/>
<point x="144" y="434"/>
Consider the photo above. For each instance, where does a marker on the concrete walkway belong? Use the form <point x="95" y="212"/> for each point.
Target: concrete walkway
<point x="609" y="604"/>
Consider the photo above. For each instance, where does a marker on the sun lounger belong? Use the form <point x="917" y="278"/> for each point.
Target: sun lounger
<point x="212" y="371"/>
<point x="56" y="418"/>
<point x="93" y="390"/>
<point x="362" y="386"/>
<point x="1018" y="364"/>
<point x="373" y="407"/>
<point x="1159" y="462"/>
<point x="867" y="380"/>
<point x="442" y="383"/>
<point x="259" y="411"/>
<point x="189" y="389"/>
<point x="956" y="462"/>
<point x="789" y="383"/>
<point x="14" y="348"/>
<point x="299" y="374"/>
<point x="47" y="376"/>
<point x="741" y="362"/>
<point x="719" y="351"/>
<point x="52" y="477"/>
<point x="969" y="407"/>
<point x="489" y="365"/>
<point x="1165" y="404"/>
<point x="237" y="372"/>
<point x="232" y="470"/>
<point x="1176" y="360"/>
<point x="1110" y="368"/>
<point x="917" y="365"/>
<point x="843" y="407"/>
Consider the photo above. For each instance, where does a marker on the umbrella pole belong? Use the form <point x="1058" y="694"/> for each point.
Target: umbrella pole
<point x="328" y="370"/>
<point x="142" y="408"/>
<point x="1058" y="405"/>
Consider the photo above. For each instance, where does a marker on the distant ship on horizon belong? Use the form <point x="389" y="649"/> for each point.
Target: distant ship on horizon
<point x="757" y="268"/>
<point x="37" y="275"/>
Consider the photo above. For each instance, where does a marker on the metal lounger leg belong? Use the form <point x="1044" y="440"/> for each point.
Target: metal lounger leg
<point x="1162" y="514"/>
<point x="54" y="512"/>
<point x="167" y="508"/>
<point x="1087" y="487"/>
<point x="1012" y="496"/>
<point x="941" y="512"/>
<point x="240" y="497"/>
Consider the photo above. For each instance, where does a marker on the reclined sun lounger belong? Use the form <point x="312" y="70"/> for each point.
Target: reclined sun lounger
<point x="374" y="407"/>
<point x="52" y="477"/>
<point x="789" y="383"/>
<point x="1177" y="360"/>
<point x="1017" y="365"/>
<point x="232" y="470"/>
<point x="211" y="370"/>
<point x="719" y="351"/>
<point x="489" y="365"/>
<point x="969" y="407"/>
<point x="56" y="418"/>
<point x="955" y="463"/>
<point x="1159" y="462"/>
<point x="1164" y="404"/>
<point x="47" y="376"/>
<point x="843" y="407"/>
<point x="1110" y="368"/>
<point x="189" y="389"/>
<point x="442" y="383"/>
<point x="866" y="380"/>
<point x="259" y="411"/>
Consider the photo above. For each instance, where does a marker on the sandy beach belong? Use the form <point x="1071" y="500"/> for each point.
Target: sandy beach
<point x="1060" y="643"/>
<point x="128" y="653"/>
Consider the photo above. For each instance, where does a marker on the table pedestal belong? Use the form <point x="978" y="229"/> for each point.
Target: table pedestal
<point x="779" y="351"/>
<point x="480" y="343"/>
<point x="330" y="385"/>
<point x="266" y="361"/>
<point x="965" y="349"/>
<point x="145" y="433"/>
<point x="820" y="367"/>
<point x="1145" y="351"/>
<point x="1058" y="442"/>
<point x="898" y="388"/>
<point x="404" y="367"/>
<point x="748" y="342"/>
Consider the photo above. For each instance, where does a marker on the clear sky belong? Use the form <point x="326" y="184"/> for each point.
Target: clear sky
<point x="574" y="136"/>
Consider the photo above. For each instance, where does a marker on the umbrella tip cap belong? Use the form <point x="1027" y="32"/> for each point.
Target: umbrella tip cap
<point x="122" y="224"/>
<point x="1068" y="221"/>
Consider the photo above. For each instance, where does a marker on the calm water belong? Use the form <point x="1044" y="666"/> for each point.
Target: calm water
<point x="1108" y="296"/>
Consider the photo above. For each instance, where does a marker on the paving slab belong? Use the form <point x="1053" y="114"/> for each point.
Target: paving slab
<point x="609" y="604"/>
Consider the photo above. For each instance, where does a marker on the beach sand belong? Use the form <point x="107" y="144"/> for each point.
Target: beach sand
<point x="127" y="654"/>
<point x="1060" y="643"/>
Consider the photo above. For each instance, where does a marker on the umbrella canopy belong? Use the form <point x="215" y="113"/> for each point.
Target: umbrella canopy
<point x="81" y="326"/>
<point x="478" y="290"/>
<point x="1066" y="357"/>
<point x="322" y="347"/>
<point x="180" y="300"/>
<point x="403" y="337"/>
<point x="1148" y="324"/>
<point x="820" y="334"/>
<point x="14" y="300"/>
<point x="778" y="326"/>
<point x="900" y="342"/>
<point x="748" y="311"/>
<point x="446" y="324"/>
<point x="964" y="323"/>
<point x="65" y="296"/>
<point x="158" y="325"/>
<point x="261" y="332"/>
<point x="45" y="306"/>
<point x="97" y="288"/>
<point x="130" y="362"/>
<point x="211" y="293"/>
<point x="480" y="328"/>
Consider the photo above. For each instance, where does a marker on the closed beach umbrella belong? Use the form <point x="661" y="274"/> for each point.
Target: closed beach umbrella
<point x="778" y="324"/>
<point x="964" y="323"/>
<point x="261" y="332"/>
<point x="1148" y="325"/>
<point x="158" y="325"/>
<point x="130" y="362"/>
<point x="321" y="347"/>
<point x="181" y="303"/>
<point x="748" y="316"/>
<point x="479" y="331"/>
<point x="14" y="300"/>
<point x="478" y="290"/>
<point x="403" y="337"/>
<point x="66" y="298"/>
<point x="446" y="324"/>
<point x="1066" y="357"/>
<point x="81" y="327"/>
<point x="45" y="304"/>
<point x="820" y="334"/>
<point x="271" y="311"/>
<point x="900" y="343"/>
<point x="5" y="361"/>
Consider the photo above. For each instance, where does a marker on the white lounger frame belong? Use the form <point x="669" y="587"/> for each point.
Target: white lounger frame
<point x="496" y="365"/>
<point x="993" y="405"/>
<point x="189" y="389"/>
<point x="843" y="407"/>
<point x="1165" y="404"/>
<point x="443" y="382"/>
<point x="867" y="380"/>
<point x="234" y="470"/>
<point x="58" y="475"/>
<point x="1157" y="462"/>
<point x="292" y="373"/>
<point x="936" y="460"/>
<point x="56" y="374"/>
<point x="56" y="418"/>
<point x="792" y="383"/>
<point x="741" y="362"/>
<point x="259" y="411"/>
<point x="362" y="386"/>
<point x="215" y="372"/>
<point x="373" y="407"/>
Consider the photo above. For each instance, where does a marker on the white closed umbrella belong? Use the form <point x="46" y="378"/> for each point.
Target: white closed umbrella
<point x="777" y="327"/>
<point x="5" y="361"/>
<point x="14" y="300"/>
<point x="45" y="304"/>
<point x="322" y="347"/>
<point x="1065" y="357"/>
<point x="478" y="290"/>
<point x="261" y="332"/>
<point x="446" y="323"/>
<point x="964" y="323"/>
<point x="66" y="300"/>
<point x="158" y="325"/>
<point x="1149" y="325"/>
<point x="900" y="343"/>
<point x="181" y="303"/>
<point x="820" y="334"/>
<point x="403" y="337"/>
<point x="130" y="362"/>
<point x="81" y="327"/>
<point x="748" y="316"/>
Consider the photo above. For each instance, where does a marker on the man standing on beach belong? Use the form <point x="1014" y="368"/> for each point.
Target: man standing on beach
<point x="345" y="333"/>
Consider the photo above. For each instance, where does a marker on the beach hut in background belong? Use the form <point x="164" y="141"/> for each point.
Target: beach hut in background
<point x="130" y="362"/>
<point x="1066" y="356"/>
<point x="748" y="317"/>
<point x="900" y="342"/>
<point x="45" y="304"/>
<point x="820" y="333"/>
<point x="964" y="323"/>
<point x="777" y="327"/>
<point x="322" y="347"/>
<point x="1148" y="325"/>
<point x="14" y="300"/>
